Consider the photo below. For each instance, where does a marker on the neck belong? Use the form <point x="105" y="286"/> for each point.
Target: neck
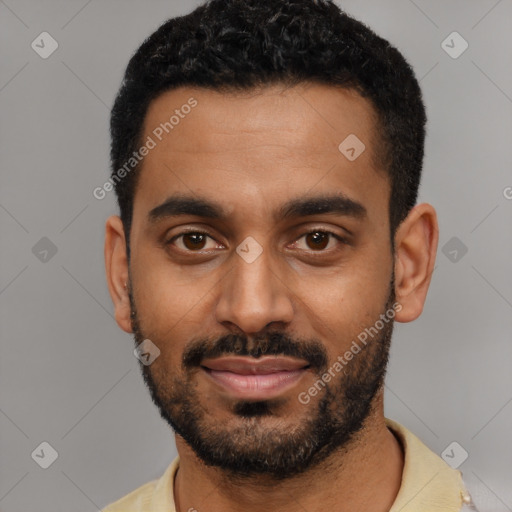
<point x="365" y="475"/>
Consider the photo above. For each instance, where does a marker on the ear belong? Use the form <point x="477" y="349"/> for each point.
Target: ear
<point x="116" y="266"/>
<point x="415" y="255"/>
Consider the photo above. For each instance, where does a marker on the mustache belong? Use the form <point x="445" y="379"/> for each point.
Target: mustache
<point x="274" y="344"/>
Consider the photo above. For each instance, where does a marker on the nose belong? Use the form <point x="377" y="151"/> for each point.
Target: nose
<point x="254" y="295"/>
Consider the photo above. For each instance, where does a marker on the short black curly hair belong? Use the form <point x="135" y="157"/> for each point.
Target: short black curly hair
<point x="231" y="45"/>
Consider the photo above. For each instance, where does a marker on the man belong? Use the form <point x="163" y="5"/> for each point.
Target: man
<point x="266" y="157"/>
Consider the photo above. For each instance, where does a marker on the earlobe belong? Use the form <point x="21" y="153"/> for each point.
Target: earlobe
<point x="415" y="253"/>
<point x="116" y="267"/>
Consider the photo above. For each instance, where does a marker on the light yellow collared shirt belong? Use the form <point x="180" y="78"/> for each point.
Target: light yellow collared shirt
<point x="428" y="483"/>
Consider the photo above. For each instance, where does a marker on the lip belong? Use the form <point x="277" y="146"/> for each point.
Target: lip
<point x="255" y="379"/>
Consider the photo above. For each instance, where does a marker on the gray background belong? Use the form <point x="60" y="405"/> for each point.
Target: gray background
<point x="67" y="373"/>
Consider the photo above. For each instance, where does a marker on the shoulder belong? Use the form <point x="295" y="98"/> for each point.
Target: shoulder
<point x="428" y="482"/>
<point x="135" y="501"/>
<point x="154" y="495"/>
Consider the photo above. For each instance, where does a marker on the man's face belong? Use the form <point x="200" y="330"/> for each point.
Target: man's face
<point x="250" y="307"/>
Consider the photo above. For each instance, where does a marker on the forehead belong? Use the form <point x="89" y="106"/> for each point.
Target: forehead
<point x="263" y="145"/>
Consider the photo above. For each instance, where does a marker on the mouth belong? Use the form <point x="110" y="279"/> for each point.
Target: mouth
<point x="255" y="379"/>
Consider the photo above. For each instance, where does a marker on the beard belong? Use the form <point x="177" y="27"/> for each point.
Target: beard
<point x="261" y="440"/>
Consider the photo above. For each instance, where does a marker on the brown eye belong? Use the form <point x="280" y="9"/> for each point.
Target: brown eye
<point x="317" y="240"/>
<point x="194" y="241"/>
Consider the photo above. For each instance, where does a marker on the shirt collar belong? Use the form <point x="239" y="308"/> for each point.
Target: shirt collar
<point x="428" y="483"/>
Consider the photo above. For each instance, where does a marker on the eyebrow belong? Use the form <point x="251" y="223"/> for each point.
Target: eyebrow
<point x="179" y="205"/>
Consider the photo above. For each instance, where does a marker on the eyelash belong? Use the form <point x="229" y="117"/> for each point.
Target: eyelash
<point x="339" y="238"/>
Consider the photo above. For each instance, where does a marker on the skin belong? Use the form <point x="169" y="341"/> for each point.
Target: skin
<point x="251" y="152"/>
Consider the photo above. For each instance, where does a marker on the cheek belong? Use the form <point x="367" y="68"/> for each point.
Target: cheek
<point x="341" y="305"/>
<point x="175" y="306"/>
<point x="165" y="307"/>
<point x="162" y="290"/>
